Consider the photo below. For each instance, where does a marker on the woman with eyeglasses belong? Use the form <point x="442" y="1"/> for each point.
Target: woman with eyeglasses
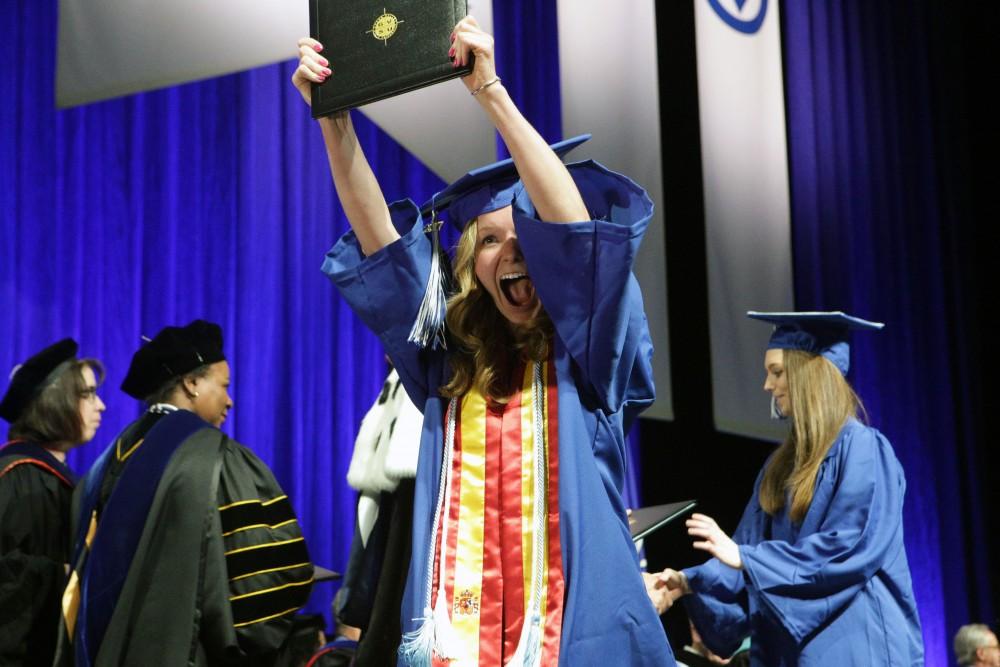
<point x="52" y="406"/>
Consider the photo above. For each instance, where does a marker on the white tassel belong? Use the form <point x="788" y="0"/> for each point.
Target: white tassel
<point x="417" y="647"/>
<point x="775" y="410"/>
<point x="433" y="636"/>
<point x="446" y="644"/>
<point x="428" y="327"/>
<point x="529" y="649"/>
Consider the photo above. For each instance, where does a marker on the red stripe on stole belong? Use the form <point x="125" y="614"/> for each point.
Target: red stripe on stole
<point x="511" y="520"/>
<point x="556" y="583"/>
<point x="491" y="617"/>
<point x="454" y="505"/>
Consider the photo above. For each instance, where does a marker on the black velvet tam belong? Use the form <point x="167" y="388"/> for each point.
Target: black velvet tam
<point x="30" y="377"/>
<point x="172" y="353"/>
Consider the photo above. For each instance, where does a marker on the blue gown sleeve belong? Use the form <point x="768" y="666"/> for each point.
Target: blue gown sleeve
<point x="582" y="272"/>
<point x="804" y="584"/>
<point x="719" y="604"/>
<point x="385" y="291"/>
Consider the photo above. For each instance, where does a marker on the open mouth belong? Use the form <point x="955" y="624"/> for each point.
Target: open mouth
<point x="517" y="288"/>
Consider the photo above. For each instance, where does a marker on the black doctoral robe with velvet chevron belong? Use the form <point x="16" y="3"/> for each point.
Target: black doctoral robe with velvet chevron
<point x="197" y="557"/>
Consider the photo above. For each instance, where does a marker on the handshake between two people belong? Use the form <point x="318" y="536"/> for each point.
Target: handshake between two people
<point x="666" y="587"/>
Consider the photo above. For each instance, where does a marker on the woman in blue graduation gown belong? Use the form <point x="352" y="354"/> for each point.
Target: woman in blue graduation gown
<point x="52" y="405"/>
<point x="548" y="314"/>
<point x="816" y="572"/>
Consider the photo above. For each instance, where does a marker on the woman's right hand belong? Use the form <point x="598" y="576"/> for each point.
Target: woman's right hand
<point x="675" y="582"/>
<point x="468" y="40"/>
<point x="313" y="68"/>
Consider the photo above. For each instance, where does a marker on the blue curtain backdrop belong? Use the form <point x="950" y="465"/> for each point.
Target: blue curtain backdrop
<point x="206" y="200"/>
<point x="877" y="221"/>
<point x="210" y="200"/>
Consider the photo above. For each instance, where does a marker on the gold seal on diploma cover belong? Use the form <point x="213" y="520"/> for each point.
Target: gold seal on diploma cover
<point x="384" y="27"/>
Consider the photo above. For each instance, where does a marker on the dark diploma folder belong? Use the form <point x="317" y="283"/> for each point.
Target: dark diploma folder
<point x="645" y="520"/>
<point x="381" y="49"/>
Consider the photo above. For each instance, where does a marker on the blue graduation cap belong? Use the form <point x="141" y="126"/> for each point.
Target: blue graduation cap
<point x="823" y="333"/>
<point x="482" y="190"/>
<point x="487" y="188"/>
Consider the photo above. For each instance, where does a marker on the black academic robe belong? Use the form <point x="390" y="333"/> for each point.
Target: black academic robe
<point x="35" y="493"/>
<point x="197" y="557"/>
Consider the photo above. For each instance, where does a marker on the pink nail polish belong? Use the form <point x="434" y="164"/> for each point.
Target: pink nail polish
<point x="319" y="47"/>
<point x="328" y="72"/>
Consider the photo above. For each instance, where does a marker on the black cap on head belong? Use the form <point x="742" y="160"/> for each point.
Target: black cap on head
<point x="172" y="353"/>
<point x="29" y="379"/>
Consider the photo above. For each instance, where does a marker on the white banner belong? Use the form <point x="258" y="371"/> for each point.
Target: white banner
<point x="110" y="48"/>
<point x="610" y="84"/>
<point x="745" y="175"/>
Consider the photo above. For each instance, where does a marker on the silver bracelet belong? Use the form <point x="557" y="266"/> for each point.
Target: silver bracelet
<point x="485" y="86"/>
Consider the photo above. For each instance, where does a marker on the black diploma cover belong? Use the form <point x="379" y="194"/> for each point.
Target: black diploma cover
<point x="381" y="48"/>
<point x="645" y="520"/>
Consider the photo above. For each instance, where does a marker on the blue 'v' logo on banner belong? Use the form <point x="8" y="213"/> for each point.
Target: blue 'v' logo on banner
<point x="748" y="25"/>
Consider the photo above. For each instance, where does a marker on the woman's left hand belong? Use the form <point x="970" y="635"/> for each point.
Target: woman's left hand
<point x="468" y="40"/>
<point x="713" y="540"/>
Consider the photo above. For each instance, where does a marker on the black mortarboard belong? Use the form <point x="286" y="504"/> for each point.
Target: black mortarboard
<point x="823" y="333"/>
<point x="29" y="379"/>
<point x="172" y="353"/>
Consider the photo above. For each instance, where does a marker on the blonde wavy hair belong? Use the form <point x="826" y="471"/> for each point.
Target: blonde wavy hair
<point x="821" y="403"/>
<point x="486" y="349"/>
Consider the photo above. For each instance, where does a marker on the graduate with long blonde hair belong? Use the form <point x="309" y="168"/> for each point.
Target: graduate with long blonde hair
<point x="521" y="547"/>
<point x="816" y="572"/>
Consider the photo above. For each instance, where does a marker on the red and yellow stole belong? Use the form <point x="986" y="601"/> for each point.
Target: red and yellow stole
<point x="498" y="551"/>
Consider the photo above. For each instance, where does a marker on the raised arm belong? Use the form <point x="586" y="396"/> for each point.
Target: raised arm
<point x="357" y="188"/>
<point x="549" y="185"/>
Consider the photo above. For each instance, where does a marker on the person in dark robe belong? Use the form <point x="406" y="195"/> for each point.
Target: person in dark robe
<point x="187" y="550"/>
<point x="522" y="553"/>
<point x="816" y="572"/>
<point x="52" y="406"/>
<point x="383" y="468"/>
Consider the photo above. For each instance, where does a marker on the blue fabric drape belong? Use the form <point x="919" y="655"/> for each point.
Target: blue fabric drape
<point x="874" y="233"/>
<point x="206" y="200"/>
<point x="527" y="59"/>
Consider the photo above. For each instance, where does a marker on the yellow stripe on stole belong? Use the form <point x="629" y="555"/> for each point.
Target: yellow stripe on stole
<point x="468" y="579"/>
<point x="527" y="481"/>
<point x="548" y="480"/>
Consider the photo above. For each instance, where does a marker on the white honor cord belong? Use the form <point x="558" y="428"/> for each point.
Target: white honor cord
<point x="528" y="651"/>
